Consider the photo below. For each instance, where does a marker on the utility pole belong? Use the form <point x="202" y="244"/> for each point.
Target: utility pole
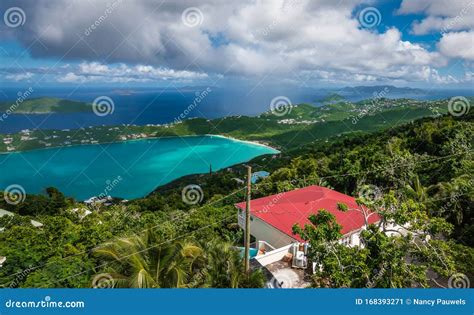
<point x="247" y="220"/>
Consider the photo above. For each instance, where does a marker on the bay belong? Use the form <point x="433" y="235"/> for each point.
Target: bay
<point x="126" y="169"/>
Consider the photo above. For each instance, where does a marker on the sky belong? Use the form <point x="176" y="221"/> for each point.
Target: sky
<point x="316" y="43"/>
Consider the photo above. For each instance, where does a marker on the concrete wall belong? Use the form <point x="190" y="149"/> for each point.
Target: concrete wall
<point x="265" y="232"/>
<point x="273" y="256"/>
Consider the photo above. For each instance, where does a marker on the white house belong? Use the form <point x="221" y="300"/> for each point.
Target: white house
<point x="271" y="224"/>
<point x="5" y="212"/>
<point x="272" y="217"/>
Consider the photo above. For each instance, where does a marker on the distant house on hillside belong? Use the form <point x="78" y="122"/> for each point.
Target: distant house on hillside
<point x="259" y="175"/>
<point x="5" y="212"/>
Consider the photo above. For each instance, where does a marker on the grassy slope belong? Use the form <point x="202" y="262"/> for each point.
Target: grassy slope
<point x="45" y="105"/>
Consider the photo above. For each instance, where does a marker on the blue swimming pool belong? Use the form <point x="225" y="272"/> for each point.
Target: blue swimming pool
<point x="253" y="252"/>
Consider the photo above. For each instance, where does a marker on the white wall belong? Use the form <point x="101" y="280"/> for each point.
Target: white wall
<point x="273" y="256"/>
<point x="265" y="232"/>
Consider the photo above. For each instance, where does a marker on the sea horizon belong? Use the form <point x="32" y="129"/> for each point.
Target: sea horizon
<point x="142" y="106"/>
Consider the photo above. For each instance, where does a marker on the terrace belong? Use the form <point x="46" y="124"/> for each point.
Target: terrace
<point x="281" y="269"/>
<point x="281" y="254"/>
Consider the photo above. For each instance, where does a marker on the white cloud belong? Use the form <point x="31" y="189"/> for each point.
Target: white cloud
<point x="19" y="76"/>
<point x="121" y="73"/>
<point x="458" y="45"/>
<point x="71" y="78"/>
<point x="146" y="41"/>
<point x="442" y="16"/>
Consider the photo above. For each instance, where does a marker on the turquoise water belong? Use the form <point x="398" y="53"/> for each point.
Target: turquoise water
<point x="252" y="252"/>
<point x="126" y="169"/>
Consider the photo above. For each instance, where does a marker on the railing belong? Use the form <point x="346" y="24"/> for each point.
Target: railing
<point x="274" y="255"/>
<point x="266" y="246"/>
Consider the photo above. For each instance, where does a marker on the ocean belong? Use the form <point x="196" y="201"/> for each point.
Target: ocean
<point x="128" y="170"/>
<point x="158" y="106"/>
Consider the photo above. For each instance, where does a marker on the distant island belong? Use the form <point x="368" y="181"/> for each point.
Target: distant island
<point x="380" y="89"/>
<point x="46" y="105"/>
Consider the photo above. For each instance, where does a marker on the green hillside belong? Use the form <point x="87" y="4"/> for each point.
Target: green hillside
<point x="303" y="124"/>
<point x="45" y="105"/>
<point x="415" y="171"/>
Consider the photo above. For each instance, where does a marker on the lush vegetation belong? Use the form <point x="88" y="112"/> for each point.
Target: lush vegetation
<point x="420" y="173"/>
<point x="299" y="126"/>
<point x="45" y="105"/>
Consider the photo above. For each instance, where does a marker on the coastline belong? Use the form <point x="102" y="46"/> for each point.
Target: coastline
<point x="148" y="138"/>
<point x="255" y="142"/>
<point x="271" y="150"/>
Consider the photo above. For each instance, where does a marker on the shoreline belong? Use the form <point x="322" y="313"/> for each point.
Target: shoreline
<point x="256" y="142"/>
<point x="232" y="139"/>
<point x="148" y="138"/>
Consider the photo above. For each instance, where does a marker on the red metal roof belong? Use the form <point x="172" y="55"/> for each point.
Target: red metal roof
<point x="283" y="210"/>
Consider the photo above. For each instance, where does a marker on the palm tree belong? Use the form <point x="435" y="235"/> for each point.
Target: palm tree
<point x="452" y="194"/>
<point x="148" y="262"/>
<point x="224" y="268"/>
<point x="417" y="191"/>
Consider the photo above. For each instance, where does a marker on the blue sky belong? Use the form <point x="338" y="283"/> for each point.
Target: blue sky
<point x="422" y="43"/>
